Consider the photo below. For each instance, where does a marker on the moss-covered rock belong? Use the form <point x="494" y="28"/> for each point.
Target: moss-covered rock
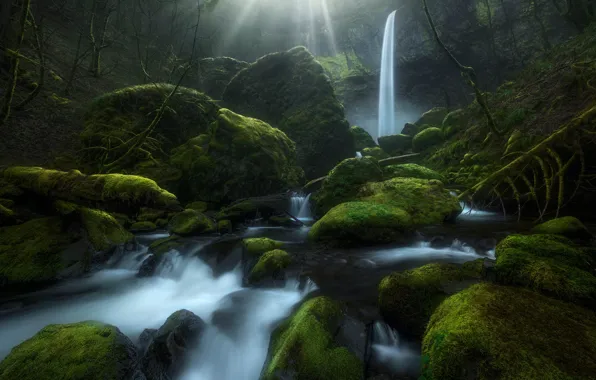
<point x="427" y="138"/>
<point x="407" y="299"/>
<point x="224" y="226"/>
<point x="143" y="227"/>
<point x="495" y="332"/>
<point x="147" y="214"/>
<point x="198" y="206"/>
<point x="237" y="157"/>
<point x="343" y="182"/>
<point x="426" y="201"/>
<point x="78" y="351"/>
<point x="102" y="230"/>
<point x="9" y="190"/>
<point x="161" y="246"/>
<point x="291" y="91"/>
<point x="454" y="122"/>
<point x="191" y="222"/>
<point x="238" y="212"/>
<point x="567" y="226"/>
<point x="375" y="152"/>
<point x="214" y="74"/>
<point x="272" y="265"/>
<point x="304" y="347"/>
<point x="361" y="138"/>
<point x="434" y="116"/>
<point x="361" y="223"/>
<point x="125" y="191"/>
<point x="395" y="144"/>
<point x="410" y="129"/>
<point x="410" y="171"/>
<point x="548" y="264"/>
<point x="257" y="246"/>
<point x="7" y="216"/>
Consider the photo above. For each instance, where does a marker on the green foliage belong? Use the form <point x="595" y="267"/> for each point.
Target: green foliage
<point x="508" y="333"/>
<point x="257" y="246"/>
<point x="304" y="346"/>
<point x="410" y="171"/>
<point x="78" y="351"/>
<point x="191" y="222"/>
<point x="362" y="223"/>
<point x="270" y="264"/>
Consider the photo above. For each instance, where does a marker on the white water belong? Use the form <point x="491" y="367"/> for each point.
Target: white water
<point x="300" y="207"/>
<point x="358" y="155"/>
<point x="458" y="252"/>
<point x="391" y="353"/>
<point x="133" y="304"/>
<point x="386" y="123"/>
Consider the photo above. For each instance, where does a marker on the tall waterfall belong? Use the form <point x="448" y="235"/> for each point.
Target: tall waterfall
<point x="387" y="125"/>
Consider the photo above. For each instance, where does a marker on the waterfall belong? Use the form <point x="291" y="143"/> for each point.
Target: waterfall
<point x="300" y="207"/>
<point x="358" y="155"/>
<point x="387" y="125"/>
<point x="391" y="353"/>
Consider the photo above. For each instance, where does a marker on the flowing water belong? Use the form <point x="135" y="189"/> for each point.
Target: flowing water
<point x="386" y="124"/>
<point x="391" y="353"/>
<point x="300" y="207"/>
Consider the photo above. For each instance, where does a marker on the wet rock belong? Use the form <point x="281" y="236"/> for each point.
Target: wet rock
<point x="148" y="266"/>
<point x="167" y="352"/>
<point x="568" y="226"/>
<point x="230" y="317"/>
<point x="145" y="339"/>
<point x="365" y="264"/>
<point x="438" y="242"/>
<point x="269" y="271"/>
<point x="410" y="129"/>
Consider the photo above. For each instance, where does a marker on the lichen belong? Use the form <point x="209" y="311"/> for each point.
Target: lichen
<point x="489" y="331"/>
<point x="191" y="222"/>
<point x="257" y="246"/>
<point x="304" y="346"/>
<point x="270" y="264"/>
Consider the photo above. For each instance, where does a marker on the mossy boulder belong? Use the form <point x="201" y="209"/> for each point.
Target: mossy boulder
<point x="271" y="265"/>
<point x="147" y="214"/>
<point x="237" y="157"/>
<point x="191" y="222"/>
<point x="343" y="182"/>
<point x="224" y="226"/>
<point x="362" y="139"/>
<point x="426" y="201"/>
<point x="199" y="206"/>
<point x="78" y="351"/>
<point x="395" y="144"/>
<point x="255" y="247"/>
<point x="427" y="138"/>
<point x="410" y="129"/>
<point x="549" y="264"/>
<point x="239" y="211"/>
<point x="434" y="116"/>
<point x="164" y="245"/>
<point x="361" y="223"/>
<point x="143" y="227"/>
<point x="214" y="74"/>
<point x="410" y="171"/>
<point x="496" y="332"/>
<point x="454" y="122"/>
<point x="103" y="230"/>
<point x="567" y="226"/>
<point x="291" y="91"/>
<point x="407" y="299"/>
<point x="7" y="216"/>
<point x="375" y="152"/>
<point x="304" y="346"/>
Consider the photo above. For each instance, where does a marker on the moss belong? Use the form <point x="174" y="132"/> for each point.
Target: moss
<point x="257" y="246"/>
<point x="567" y="226"/>
<point x="6" y="202"/>
<point x="427" y="138"/>
<point x="9" y="190"/>
<point x="198" y="206"/>
<point x="411" y="171"/>
<point x="283" y="221"/>
<point x="161" y="246"/>
<point x="191" y="222"/>
<point x="361" y="222"/>
<point x="455" y="122"/>
<point x="396" y="144"/>
<point x="408" y="299"/>
<point x="238" y="212"/>
<point x="361" y="138"/>
<point x="147" y="214"/>
<point x="224" y="226"/>
<point x="496" y="332"/>
<point x="103" y="231"/>
<point x="304" y="346"/>
<point x="143" y="227"/>
<point x="375" y="152"/>
<point x="270" y="264"/>
<point x="79" y="351"/>
<point x="128" y="190"/>
<point x="30" y="252"/>
<point x="426" y="201"/>
<point x="344" y="180"/>
<point x="434" y="116"/>
<point x="5" y="212"/>
<point x="162" y="223"/>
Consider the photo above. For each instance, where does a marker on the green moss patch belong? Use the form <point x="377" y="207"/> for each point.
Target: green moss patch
<point x="434" y="116"/>
<point x="161" y="246"/>
<point x="411" y="171"/>
<point x="427" y="138"/>
<point x="395" y="144"/>
<point x="567" y="226"/>
<point x="375" y="152"/>
<point x="257" y="246"/>
<point x="191" y="222"/>
<point x="362" y="139"/>
<point x="270" y="265"/>
<point x="103" y="231"/>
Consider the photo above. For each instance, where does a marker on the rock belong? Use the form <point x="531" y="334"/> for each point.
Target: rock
<point x="145" y="339"/>
<point x="284" y="221"/>
<point x="427" y="138"/>
<point x="438" y="242"/>
<point x="343" y="182"/>
<point x="426" y="201"/>
<point x="375" y="152"/>
<point x="214" y="74"/>
<point x="102" y="230"/>
<point x="567" y="226"/>
<point x="409" y="129"/>
<point x="407" y="299"/>
<point x="147" y="214"/>
<point x="143" y="227"/>
<point x="434" y="116"/>
<point x="362" y="139"/>
<point x="489" y="331"/>
<point x="224" y="226"/>
<point x="161" y="246"/>
<point x="396" y="144"/>
<point x="361" y="223"/>
<point x="199" y="206"/>
<point x="550" y="264"/>
<point x="454" y="122"/>
<point x="290" y="91"/>
<point x="238" y="212"/>
<point x="78" y="351"/>
<point x="7" y="216"/>
<point x="166" y="354"/>
<point x="191" y="222"/>
<point x="148" y="266"/>
<point x="270" y="268"/>
<point x="411" y="171"/>
<point x="229" y="318"/>
<point x="257" y="246"/>
<point x="310" y="332"/>
<point x="237" y="157"/>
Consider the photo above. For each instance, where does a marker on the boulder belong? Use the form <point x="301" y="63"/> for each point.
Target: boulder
<point x="409" y="129"/>
<point x="375" y="152"/>
<point x="191" y="222"/>
<point x="434" y="116"/>
<point x="496" y="332"/>
<point x="362" y="139"/>
<point x="214" y="74"/>
<point x="411" y="171"/>
<point x="78" y="351"/>
<point x="166" y="354"/>
<point x="454" y="122"/>
<point x="427" y="138"/>
<point x="255" y="247"/>
<point x="395" y="144"/>
<point x="143" y="227"/>
<point x="271" y="266"/>
<point x="291" y="91"/>
<point x="567" y="226"/>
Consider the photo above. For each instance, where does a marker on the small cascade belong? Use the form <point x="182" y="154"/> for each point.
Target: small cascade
<point x="392" y="354"/>
<point x="300" y="207"/>
<point x="387" y="125"/>
<point x="305" y="212"/>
